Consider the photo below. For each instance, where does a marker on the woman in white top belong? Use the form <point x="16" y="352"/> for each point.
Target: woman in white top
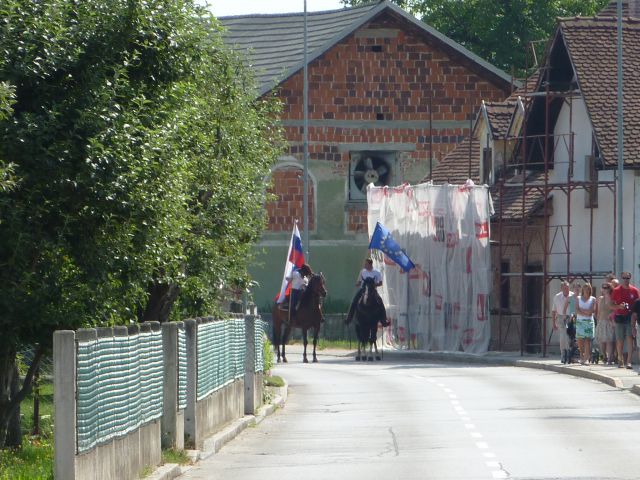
<point x="585" y="306"/>
<point x="605" y="328"/>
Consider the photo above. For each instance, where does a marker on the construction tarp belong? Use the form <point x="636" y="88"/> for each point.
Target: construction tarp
<point x="443" y="303"/>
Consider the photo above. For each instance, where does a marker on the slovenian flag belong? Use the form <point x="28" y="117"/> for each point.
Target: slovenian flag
<point x="295" y="258"/>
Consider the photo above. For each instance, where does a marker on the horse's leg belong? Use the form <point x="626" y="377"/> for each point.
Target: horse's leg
<point x="372" y="341"/>
<point x="285" y="339"/>
<point x="275" y="316"/>
<point x="375" y="345"/>
<point x="305" y="342"/>
<point x="316" y="331"/>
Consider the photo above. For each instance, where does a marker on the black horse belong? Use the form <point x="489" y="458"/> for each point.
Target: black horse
<point x="307" y="316"/>
<point x="369" y="311"/>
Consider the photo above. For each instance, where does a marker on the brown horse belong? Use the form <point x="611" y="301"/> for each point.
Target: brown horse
<point x="308" y="315"/>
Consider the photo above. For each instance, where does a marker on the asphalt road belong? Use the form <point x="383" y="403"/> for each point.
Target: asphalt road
<point x="414" y="420"/>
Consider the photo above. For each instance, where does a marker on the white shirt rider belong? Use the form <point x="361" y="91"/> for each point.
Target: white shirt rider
<point x="369" y="272"/>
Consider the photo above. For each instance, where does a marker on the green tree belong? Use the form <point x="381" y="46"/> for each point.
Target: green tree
<point x="6" y="170"/>
<point x="140" y="151"/>
<point x="497" y="30"/>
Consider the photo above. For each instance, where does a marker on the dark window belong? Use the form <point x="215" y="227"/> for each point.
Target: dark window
<point x="376" y="48"/>
<point x="486" y="166"/>
<point x="591" y="182"/>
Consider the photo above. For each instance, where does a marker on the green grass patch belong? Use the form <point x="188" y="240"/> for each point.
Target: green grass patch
<point x="273" y="381"/>
<point x="34" y="461"/>
<point x="175" y="456"/>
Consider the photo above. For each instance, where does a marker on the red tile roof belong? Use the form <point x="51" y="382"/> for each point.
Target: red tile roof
<point x="454" y="168"/>
<point x="591" y="43"/>
<point x="508" y="201"/>
<point x="630" y="8"/>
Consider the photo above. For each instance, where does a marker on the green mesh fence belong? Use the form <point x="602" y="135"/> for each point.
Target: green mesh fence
<point x="119" y="386"/>
<point x="260" y="332"/>
<point x="220" y="354"/>
<point x="182" y="368"/>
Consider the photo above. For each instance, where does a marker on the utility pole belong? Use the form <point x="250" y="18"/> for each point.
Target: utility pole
<point x="305" y="99"/>
<point x="619" y="185"/>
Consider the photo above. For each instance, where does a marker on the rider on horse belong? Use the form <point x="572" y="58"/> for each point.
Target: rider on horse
<point x="367" y="272"/>
<point x="299" y="280"/>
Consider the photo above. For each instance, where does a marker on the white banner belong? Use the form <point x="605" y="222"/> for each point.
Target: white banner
<point x="443" y="303"/>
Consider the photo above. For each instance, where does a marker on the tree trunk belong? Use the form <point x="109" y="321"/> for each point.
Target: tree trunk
<point x="14" y="432"/>
<point x="161" y="300"/>
<point x="11" y="395"/>
<point x="7" y="369"/>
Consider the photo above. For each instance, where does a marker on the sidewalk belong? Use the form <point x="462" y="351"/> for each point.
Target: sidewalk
<point x="609" y="374"/>
<point x="215" y="442"/>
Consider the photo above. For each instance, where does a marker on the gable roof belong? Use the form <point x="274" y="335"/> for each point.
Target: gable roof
<point x="454" y="168"/>
<point x="500" y="115"/>
<point x="591" y="44"/>
<point x="274" y="43"/>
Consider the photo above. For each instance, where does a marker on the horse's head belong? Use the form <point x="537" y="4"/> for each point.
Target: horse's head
<point x="369" y="293"/>
<point x="316" y="285"/>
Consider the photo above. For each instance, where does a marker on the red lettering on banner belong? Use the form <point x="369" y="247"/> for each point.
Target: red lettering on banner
<point x="409" y="192"/>
<point x="438" y="302"/>
<point x="426" y="284"/>
<point x="481" y="306"/>
<point x="452" y="240"/>
<point x="424" y="208"/>
<point x="482" y="230"/>
<point x="415" y="273"/>
<point x="467" y="336"/>
<point x="469" y="252"/>
<point x="401" y="335"/>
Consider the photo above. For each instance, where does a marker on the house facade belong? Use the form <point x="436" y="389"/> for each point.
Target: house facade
<point x="388" y="97"/>
<point x="550" y="153"/>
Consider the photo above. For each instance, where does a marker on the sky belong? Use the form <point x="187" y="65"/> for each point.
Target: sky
<point x="223" y="8"/>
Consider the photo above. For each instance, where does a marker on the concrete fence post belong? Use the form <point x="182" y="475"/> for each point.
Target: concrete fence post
<point x="64" y="393"/>
<point x="250" y="406"/>
<point x="190" y="426"/>
<point x="172" y="423"/>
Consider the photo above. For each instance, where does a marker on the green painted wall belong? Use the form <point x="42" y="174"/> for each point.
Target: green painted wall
<point x="340" y="265"/>
<point x="337" y="254"/>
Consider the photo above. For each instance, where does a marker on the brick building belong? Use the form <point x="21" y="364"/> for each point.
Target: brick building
<point x="388" y="97"/>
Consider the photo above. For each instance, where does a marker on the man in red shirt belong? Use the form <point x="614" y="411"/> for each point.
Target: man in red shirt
<point x="622" y="299"/>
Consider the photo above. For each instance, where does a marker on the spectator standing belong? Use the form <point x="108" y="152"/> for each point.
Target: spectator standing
<point x="604" y="324"/>
<point x="585" y="306"/>
<point x="623" y="297"/>
<point x="559" y="317"/>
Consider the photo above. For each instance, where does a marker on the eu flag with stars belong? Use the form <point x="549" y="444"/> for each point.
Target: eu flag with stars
<point x="382" y="240"/>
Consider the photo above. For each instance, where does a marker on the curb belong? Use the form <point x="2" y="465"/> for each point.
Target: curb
<point x="215" y="442"/>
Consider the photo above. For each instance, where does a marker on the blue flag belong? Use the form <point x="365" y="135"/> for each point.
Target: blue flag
<point x="382" y="240"/>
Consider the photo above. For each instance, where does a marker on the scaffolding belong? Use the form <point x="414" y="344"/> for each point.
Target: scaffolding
<point x="527" y="172"/>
